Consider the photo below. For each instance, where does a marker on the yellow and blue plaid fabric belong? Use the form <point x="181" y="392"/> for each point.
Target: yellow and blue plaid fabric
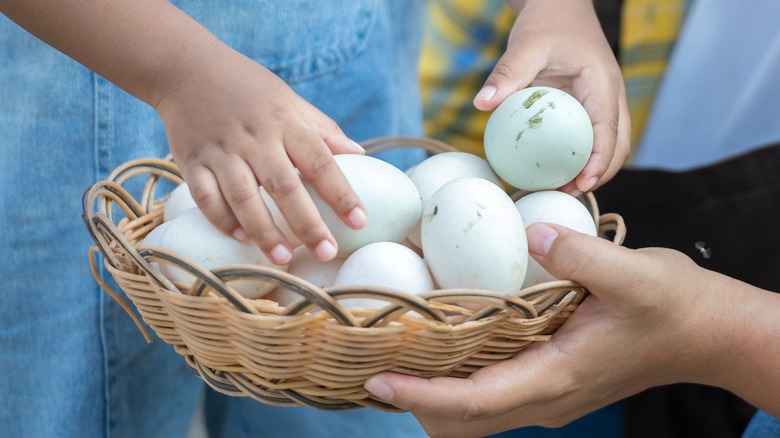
<point x="463" y="41"/>
<point x="648" y="31"/>
<point x="465" y="38"/>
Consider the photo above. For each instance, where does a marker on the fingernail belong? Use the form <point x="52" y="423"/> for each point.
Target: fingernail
<point x="325" y="250"/>
<point x="281" y="255"/>
<point x="589" y="184"/>
<point x="357" y="218"/>
<point x="377" y="387"/>
<point x="358" y="146"/>
<point x="486" y="93"/>
<point x="240" y="235"/>
<point x="541" y="238"/>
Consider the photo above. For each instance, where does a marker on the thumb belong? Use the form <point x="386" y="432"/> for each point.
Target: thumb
<point x="600" y="265"/>
<point x="515" y="70"/>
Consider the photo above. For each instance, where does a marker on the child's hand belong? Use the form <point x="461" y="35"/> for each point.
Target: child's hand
<point x="561" y="44"/>
<point x="233" y="125"/>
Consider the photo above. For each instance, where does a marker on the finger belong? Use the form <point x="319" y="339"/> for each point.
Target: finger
<point x="622" y="145"/>
<point x="318" y="167"/>
<point x="279" y="218"/>
<point x="490" y="392"/>
<point x="601" y="100"/>
<point x="439" y="397"/>
<point x="514" y="70"/>
<point x="329" y="130"/>
<point x="240" y="188"/>
<point x="205" y="191"/>
<point x="282" y="182"/>
<point x="604" y="267"/>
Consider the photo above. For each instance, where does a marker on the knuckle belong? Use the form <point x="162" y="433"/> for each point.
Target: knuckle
<point x="310" y="232"/>
<point x="205" y="198"/>
<point x="250" y="130"/>
<point x="267" y="239"/>
<point x="241" y="194"/>
<point x="569" y="264"/>
<point x="330" y="129"/>
<point x="281" y="187"/>
<point x="321" y="165"/>
<point x="503" y="71"/>
<point x="346" y="201"/>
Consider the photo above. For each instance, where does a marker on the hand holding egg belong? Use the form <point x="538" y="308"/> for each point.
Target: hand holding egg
<point x="541" y="52"/>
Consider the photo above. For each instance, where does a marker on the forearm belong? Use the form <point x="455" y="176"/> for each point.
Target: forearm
<point x="142" y="46"/>
<point x="745" y="353"/>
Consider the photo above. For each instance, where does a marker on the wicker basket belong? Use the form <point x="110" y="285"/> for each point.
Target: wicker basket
<point x="299" y="354"/>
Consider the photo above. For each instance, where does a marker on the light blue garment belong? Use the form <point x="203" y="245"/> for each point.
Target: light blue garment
<point x="762" y="425"/>
<point x="73" y="363"/>
<point x="720" y="96"/>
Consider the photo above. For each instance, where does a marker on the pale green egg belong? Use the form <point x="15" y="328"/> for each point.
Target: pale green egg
<point x="539" y="138"/>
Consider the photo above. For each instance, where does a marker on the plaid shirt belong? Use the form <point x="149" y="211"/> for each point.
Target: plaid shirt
<point x="463" y="41"/>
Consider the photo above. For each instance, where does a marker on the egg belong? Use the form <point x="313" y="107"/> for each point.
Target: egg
<point x="153" y="239"/>
<point x="387" y="265"/>
<point x="304" y="266"/>
<point x="390" y="198"/>
<point x="179" y="201"/>
<point x="553" y="207"/>
<point x="432" y="173"/>
<point x="154" y="236"/>
<point x="193" y="237"/>
<point x="538" y="138"/>
<point x="474" y="237"/>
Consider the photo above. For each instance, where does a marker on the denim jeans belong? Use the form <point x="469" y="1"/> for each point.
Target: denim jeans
<point x="72" y="361"/>
<point x="762" y="426"/>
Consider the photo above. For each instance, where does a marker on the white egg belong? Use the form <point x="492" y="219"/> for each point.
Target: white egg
<point x="387" y="265"/>
<point x="439" y="169"/>
<point x="391" y="200"/>
<point x="178" y="202"/>
<point x="305" y="266"/>
<point x="181" y="200"/>
<point x="153" y="239"/>
<point x="539" y="138"/>
<point x="553" y="207"/>
<point x="192" y="236"/>
<point x="474" y="237"/>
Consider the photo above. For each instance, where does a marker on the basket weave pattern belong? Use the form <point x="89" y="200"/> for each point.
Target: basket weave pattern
<point x="314" y="352"/>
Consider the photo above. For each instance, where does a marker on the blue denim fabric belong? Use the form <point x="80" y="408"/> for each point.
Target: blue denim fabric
<point x="762" y="426"/>
<point x="73" y="363"/>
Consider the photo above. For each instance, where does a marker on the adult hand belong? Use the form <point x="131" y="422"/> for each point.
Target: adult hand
<point x="653" y="318"/>
<point x="560" y="43"/>
<point x="233" y="125"/>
